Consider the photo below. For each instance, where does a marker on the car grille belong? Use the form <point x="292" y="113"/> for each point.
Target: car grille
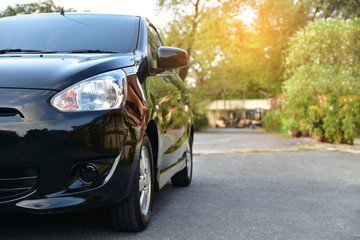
<point x="15" y="183"/>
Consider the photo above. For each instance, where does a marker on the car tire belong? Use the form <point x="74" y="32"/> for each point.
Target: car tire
<point x="184" y="177"/>
<point x="133" y="213"/>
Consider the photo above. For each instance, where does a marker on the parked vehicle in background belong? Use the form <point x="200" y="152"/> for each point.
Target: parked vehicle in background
<point x="257" y="118"/>
<point x="244" y="123"/>
<point x="220" y="123"/>
<point x="92" y="114"/>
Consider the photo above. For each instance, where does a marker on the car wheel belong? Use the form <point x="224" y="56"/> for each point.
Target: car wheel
<point x="133" y="213"/>
<point x="184" y="177"/>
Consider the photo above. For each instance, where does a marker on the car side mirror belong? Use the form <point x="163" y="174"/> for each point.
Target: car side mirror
<point x="172" y="58"/>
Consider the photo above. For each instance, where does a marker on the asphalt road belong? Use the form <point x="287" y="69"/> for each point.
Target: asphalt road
<point x="230" y="140"/>
<point x="285" y="195"/>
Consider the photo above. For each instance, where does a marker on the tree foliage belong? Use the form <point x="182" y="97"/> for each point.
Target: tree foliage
<point x="182" y="31"/>
<point x="323" y="57"/>
<point x="232" y="60"/>
<point x="47" y="6"/>
<point x="319" y="9"/>
<point x="323" y="69"/>
<point x="227" y="54"/>
<point x="229" y="57"/>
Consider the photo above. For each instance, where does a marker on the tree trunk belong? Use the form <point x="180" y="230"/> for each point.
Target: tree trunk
<point x="195" y="22"/>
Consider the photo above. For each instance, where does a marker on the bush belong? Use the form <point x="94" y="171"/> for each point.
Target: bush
<point x="289" y="124"/>
<point x="272" y="122"/>
<point x="316" y="116"/>
<point x="318" y="131"/>
<point x="200" y="121"/>
<point x="322" y="79"/>
<point x="350" y="115"/>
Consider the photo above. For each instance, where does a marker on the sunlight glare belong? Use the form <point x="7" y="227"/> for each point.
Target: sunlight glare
<point x="247" y="16"/>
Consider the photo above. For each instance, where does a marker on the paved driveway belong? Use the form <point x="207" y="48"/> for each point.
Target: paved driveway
<point x="212" y="141"/>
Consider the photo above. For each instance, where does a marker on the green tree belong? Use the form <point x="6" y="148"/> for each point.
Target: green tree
<point x="318" y="9"/>
<point x="182" y="31"/>
<point x="277" y="21"/>
<point x="47" y="6"/>
<point x="249" y="58"/>
<point x="226" y="53"/>
<point x="230" y="58"/>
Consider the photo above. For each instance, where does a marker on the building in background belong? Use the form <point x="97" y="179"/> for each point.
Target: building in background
<point x="230" y="112"/>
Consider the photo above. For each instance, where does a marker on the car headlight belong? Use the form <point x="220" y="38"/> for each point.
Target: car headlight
<point x="101" y="92"/>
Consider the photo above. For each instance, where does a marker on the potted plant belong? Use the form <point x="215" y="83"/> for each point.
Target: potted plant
<point x="292" y="126"/>
<point x="304" y="128"/>
<point x="318" y="135"/>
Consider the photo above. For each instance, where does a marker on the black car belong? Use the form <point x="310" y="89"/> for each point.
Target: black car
<point x="92" y="114"/>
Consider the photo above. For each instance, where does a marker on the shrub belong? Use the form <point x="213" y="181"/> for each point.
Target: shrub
<point x="272" y="122"/>
<point x="318" y="131"/>
<point x="200" y="121"/>
<point x="322" y="84"/>
<point x="289" y="124"/>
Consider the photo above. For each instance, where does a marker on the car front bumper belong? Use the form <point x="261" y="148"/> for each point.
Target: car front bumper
<point x="42" y="150"/>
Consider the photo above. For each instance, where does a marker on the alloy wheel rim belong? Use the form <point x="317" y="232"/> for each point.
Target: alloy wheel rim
<point x="144" y="180"/>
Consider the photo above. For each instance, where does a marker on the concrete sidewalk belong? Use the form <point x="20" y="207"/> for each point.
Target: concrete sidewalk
<point x="231" y="140"/>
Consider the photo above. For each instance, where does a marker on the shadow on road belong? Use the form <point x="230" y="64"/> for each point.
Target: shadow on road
<point x="19" y="225"/>
<point x="93" y="224"/>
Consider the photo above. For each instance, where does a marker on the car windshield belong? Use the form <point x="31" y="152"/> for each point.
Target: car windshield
<point x="81" y="33"/>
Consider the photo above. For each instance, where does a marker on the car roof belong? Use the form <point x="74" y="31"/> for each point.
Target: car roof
<point x="72" y="14"/>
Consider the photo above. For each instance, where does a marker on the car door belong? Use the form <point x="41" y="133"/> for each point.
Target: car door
<point x="166" y="90"/>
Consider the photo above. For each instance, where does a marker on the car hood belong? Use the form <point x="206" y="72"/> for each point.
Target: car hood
<point x="56" y="71"/>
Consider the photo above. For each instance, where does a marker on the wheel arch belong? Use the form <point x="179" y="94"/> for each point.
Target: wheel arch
<point x="152" y="132"/>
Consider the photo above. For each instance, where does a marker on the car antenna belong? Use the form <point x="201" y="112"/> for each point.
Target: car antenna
<point x="62" y="12"/>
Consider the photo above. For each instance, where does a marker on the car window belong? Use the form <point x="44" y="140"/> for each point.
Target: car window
<point x="154" y="42"/>
<point x="55" y="32"/>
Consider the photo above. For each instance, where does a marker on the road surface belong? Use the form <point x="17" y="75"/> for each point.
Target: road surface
<point x="264" y="195"/>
